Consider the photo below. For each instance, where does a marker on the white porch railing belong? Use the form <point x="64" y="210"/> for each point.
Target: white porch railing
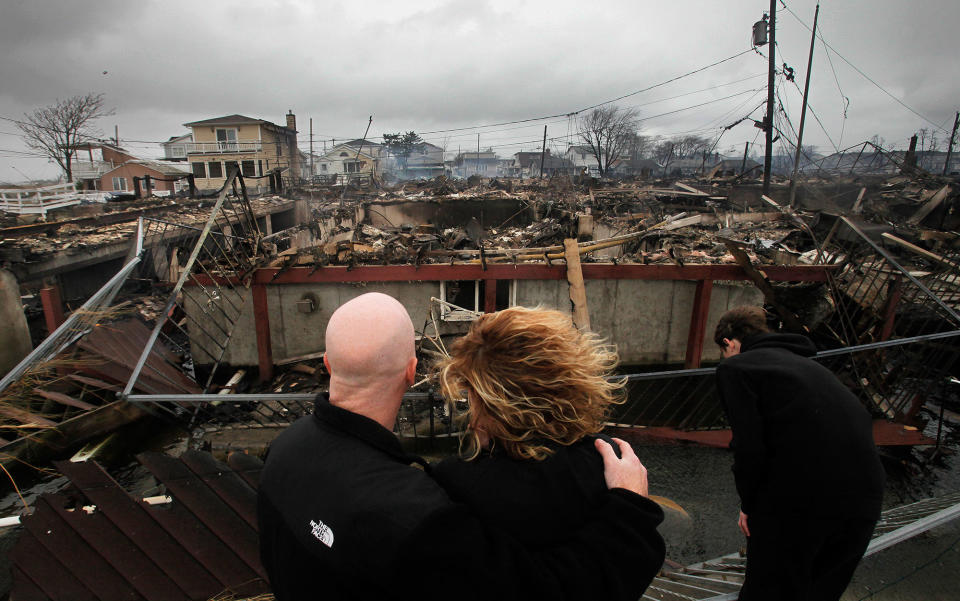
<point x="222" y="147"/>
<point x="37" y="201"/>
<point x="91" y="170"/>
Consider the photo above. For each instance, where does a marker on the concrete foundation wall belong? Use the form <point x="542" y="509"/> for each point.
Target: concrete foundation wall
<point x="647" y="320"/>
<point x="293" y="332"/>
<point x="13" y="324"/>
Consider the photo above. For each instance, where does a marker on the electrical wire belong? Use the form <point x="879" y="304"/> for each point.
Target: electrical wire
<point x="858" y="70"/>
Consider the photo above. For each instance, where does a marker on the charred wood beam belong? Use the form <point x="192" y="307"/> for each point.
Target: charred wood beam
<point x="763" y="283"/>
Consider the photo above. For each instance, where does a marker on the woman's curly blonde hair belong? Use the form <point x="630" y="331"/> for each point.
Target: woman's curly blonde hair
<point x="530" y="377"/>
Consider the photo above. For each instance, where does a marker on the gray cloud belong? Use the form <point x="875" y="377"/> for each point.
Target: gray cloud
<point x="442" y="64"/>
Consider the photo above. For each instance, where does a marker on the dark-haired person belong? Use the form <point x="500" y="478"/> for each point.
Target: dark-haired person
<point x="345" y="513"/>
<point x="805" y="464"/>
<point x="537" y="395"/>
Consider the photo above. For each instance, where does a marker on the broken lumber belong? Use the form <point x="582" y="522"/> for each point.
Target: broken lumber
<point x="578" y="292"/>
<point x="763" y="283"/>
<point x="920" y="251"/>
<point x="929" y="206"/>
<point x="63" y="399"/>
<point x="690" y="189"/>
<point x="857" y="205"/>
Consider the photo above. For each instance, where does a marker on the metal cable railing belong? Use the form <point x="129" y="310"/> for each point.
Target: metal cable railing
<point x="197" y="322"/>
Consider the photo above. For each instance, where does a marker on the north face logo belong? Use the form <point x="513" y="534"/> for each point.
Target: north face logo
<point x="321" y="532"/>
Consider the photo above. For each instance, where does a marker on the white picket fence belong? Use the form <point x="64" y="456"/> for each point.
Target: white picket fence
<point x="37" y="201"/>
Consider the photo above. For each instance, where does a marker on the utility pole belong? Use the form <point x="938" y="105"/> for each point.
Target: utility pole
<point x="803" y="110"/>
<point x="953" y="135"/>
<point x="478" y="154"/>
<point x="768" y="120"/>
<point x="743" y="165"/>
<point x="311" y="147"/>
<point x="543" y="150"/>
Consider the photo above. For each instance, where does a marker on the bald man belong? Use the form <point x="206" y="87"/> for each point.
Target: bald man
<point x="345" y="513"/>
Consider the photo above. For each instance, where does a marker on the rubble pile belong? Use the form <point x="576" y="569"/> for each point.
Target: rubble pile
<point x="76" y="236"/>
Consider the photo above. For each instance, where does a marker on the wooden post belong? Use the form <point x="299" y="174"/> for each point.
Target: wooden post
<point x="910" y="159"/>
<point x="578" y="292"/>
<point x="953" y="135"/>
<point x="489" y="296"/>
<point x="52" y="307"/>
<point x="698" y="324"/>
<point x="261" y="319"/>
<point x="894" y="292"/>
<point x="803" y="111"/>
<point x="768" y="118"/>
<point x="543" y="151"/>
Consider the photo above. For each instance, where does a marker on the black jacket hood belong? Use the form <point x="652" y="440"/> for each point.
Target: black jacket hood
<point x="795" y="343"/>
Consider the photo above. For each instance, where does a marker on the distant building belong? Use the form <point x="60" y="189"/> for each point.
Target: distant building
<point x="355" y="159"/>
<point x="626" y="167"/>
<point x="484" y="164"/>
<point x="583" y="159"/>
<point x="254" y="146"/>
<point x="426" y="160"/>
<point x="108" y="168"/>
<point x="530" y="164"/>
<point x="176" y="148"/>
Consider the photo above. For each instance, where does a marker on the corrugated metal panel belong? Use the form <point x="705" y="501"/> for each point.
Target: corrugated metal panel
<point x="201" y="544"/>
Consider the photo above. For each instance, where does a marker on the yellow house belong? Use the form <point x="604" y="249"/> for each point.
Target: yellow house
<point x="254" y="146"/>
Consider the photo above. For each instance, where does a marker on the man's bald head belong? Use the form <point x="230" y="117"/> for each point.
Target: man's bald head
<point x="369" y="342"/>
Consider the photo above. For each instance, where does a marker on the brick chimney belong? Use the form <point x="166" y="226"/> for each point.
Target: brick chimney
<point x="291" y="120"/>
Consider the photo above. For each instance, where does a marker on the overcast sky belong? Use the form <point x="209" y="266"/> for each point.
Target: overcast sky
<point x="431" y="65"/>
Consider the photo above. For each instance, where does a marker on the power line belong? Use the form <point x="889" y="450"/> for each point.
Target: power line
<point x="858" y="70"/>
<point x="554" y="116"/>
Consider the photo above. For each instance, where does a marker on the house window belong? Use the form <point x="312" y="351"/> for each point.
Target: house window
<point x="178" y="151"/>
<point x="215" y="169"/>
<point x="230" y="166"/>
<point x="323" y="167"/>
<point x="344" y="154"/>
<point x="119" y="183"/>
<point x="468" y="298"/>
<point x="199" y="170"/>
<point x="249" y="169"/>
<point x="353" y="166"/>
<point x="227" y="140"/>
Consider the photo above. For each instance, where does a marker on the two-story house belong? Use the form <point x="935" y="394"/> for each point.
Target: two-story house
<point x="254" y="146"/>
<point x="583" y="159"/>
<point x="426" y="160"/>
<point x="350" y="160"/>
<point x="175" y="149"/>
<point x="484" y="164"/>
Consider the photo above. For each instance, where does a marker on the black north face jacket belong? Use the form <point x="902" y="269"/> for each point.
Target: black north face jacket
<point x="803" y="443"/>
<point x="344" y="514"/>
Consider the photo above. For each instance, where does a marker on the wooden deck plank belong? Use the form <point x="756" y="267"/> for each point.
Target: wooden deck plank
<point x="229" y="486"/>
<point x="58" y="541"/>
<point x="132" y="518"/>
<point x="63" y="399"/>
<point x="247" y="467"/>
<point x="204" y="503"/>
<point x="138" y="571"/>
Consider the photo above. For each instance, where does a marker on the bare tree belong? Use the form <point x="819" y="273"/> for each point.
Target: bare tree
<point x="57" y="130"/>
<point x="637" y="146"/>
<point x="607" y="131"/>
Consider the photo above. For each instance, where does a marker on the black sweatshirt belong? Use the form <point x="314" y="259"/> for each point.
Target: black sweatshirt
<point x="803" y="443"/>
<point x="344" y="515"/>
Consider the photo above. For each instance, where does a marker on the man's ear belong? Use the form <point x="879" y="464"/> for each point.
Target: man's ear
<point x="411" y="371"/>
<point x="326" y="364"/>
